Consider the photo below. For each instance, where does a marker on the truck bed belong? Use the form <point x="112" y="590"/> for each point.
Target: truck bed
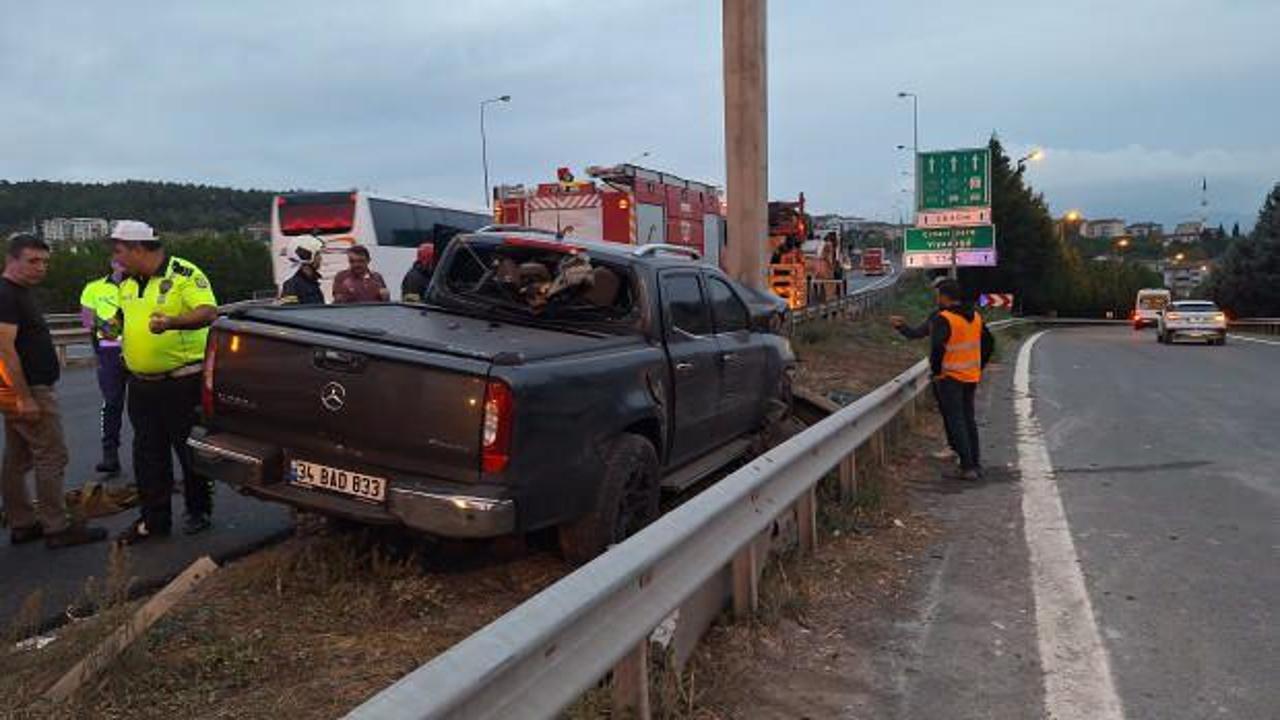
<point x="436" y="330"/>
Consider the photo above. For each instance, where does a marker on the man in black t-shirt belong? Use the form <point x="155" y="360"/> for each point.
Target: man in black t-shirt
<point x="32" y="423"/>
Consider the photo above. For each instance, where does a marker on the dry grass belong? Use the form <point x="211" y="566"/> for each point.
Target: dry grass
<point x="309" y="628"/>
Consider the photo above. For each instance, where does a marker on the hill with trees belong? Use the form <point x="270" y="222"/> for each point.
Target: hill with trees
<point x="169" y="207"/>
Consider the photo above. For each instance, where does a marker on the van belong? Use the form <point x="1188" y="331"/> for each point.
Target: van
<point x="1147" y="308"/>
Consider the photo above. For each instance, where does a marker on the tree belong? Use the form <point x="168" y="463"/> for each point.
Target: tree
<point x="1247" y="280"/>
<point x="1029" y="253"/>
<point x="1235" y="230"/>
<point x="236" y="265"/>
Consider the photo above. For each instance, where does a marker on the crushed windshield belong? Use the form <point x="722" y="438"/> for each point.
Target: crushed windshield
<point x="541" y="280"/>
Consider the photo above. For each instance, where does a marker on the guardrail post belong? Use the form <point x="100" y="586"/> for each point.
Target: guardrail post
<point x="849" y="477"/>
<point x="879" y="449"/>
<point x="746" y="589"/>
<point x="631" y="683"/>
<point x="61" y="351"/>
<point x="807" y="519"/>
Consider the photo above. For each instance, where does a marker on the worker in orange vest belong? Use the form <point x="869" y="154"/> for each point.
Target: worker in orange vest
<point x="960" y="347"/>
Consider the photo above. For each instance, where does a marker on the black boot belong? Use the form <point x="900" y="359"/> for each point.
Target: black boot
<point x="110" y="464"/>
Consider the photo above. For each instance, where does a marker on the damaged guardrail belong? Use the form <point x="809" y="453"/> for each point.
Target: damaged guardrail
<point x="678" y="573"/>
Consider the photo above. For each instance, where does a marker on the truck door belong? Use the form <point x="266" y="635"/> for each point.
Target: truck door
<point x="694" y="356"/>
<point x="742" y="362"/>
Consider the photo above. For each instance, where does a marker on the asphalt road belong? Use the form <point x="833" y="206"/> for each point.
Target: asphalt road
<point x="1166" y="461"/>
<point x="240" y="523"/>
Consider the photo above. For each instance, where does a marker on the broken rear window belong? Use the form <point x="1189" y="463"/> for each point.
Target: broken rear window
<point x="539" y="279"/>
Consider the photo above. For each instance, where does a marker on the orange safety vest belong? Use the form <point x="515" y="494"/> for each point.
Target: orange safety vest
<point x="963" y="358"/>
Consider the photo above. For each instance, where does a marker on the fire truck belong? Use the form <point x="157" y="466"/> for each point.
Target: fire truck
<point x="620" y="203"/>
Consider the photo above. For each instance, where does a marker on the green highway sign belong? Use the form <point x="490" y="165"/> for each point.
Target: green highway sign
<point x="937" y="239"/>
<point x="932" y="247"/>
<point x="953" y="179"/>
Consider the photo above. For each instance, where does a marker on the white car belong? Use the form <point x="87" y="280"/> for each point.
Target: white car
<point x="1198" y="319"/>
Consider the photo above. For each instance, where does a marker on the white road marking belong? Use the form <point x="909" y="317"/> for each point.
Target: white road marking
<point x="1246" y="338"/>
<point x="1077" y="671"/>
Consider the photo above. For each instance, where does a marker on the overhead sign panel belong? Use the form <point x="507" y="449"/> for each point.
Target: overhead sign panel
<point x="965" y="217"/>
<point x="951" y="179"/>
<point x="932" y="247"/>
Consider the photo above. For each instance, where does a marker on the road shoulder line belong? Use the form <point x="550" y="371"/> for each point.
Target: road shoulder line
<point x="1077" y="672"/>
<point x="1246" y="338"/>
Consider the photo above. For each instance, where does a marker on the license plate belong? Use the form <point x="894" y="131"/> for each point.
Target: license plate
<point x="347" y="482"/>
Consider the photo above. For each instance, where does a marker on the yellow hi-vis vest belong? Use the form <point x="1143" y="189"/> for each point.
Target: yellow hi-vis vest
<point x="963" y="358"/>
<point x="178" y="288"/>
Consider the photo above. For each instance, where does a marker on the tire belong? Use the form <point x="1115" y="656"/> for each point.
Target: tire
<point x="626" y="501"/>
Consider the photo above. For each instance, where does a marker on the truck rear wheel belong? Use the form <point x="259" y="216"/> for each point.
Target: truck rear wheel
<point x="626" y="501"/>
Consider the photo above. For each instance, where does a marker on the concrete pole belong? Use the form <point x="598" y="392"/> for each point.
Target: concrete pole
<point x="746" y="123"/>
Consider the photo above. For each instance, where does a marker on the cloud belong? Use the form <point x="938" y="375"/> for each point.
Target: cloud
<point x="1143" y="183"/>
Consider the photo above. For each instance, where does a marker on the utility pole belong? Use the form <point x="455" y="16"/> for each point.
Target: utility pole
<point x="746" y="122"/>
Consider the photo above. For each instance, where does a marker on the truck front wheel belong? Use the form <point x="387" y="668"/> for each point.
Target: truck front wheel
<point x="626" y="501"/>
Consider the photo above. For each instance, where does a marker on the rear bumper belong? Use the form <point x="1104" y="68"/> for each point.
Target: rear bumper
<point x="256" y="469"/>
<point x="1195" y="332"/>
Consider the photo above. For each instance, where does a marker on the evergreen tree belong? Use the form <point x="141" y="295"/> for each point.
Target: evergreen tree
<point x="1247" y="280"/>
<point x="1235" y="230"/>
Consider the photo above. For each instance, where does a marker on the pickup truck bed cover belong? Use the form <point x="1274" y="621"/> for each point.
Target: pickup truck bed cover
<point x="436" y="330"/>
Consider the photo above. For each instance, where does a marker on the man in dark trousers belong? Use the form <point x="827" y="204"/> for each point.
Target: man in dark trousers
<point x="960" y="347"/>
<point x="414" y="286"/>
<point x="33" y="439"/>
<point x="167" y="306"/>
<point x="100" y="315"/>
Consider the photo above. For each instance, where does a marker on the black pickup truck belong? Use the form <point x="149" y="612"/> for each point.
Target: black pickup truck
<point x="544" y="382"/>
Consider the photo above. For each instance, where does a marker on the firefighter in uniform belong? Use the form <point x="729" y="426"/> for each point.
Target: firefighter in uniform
<point x="99" y="313"/>
<point x="960" y="347"/>
<point x="167" y="306"/>
<point x="303" y="287"/>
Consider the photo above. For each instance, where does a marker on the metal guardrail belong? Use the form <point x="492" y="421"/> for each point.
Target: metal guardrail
<point x="1265" y="326"/>
<point x="853" y="305"/>
<point x="538" y="658"/>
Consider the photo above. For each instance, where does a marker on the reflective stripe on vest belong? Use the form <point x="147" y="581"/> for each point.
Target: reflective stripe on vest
<point x="963" y="358"/>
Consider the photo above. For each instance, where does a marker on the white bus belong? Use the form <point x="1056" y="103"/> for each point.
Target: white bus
<point x="391" y="228"/>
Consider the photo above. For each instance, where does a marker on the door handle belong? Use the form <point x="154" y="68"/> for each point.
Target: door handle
<point x="684" y="366"/>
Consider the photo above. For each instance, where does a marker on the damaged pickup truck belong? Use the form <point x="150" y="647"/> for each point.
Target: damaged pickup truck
<point x="544" y="382"/>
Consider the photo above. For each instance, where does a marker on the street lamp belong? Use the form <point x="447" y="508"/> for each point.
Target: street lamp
<point x="1180" y="257"/>
<point x="484" y="144"/>
<point x="915" y="144"/>
<point x="1034" y="156"/>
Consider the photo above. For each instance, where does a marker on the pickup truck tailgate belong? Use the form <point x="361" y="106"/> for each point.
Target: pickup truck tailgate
<point x="356" y="404"/>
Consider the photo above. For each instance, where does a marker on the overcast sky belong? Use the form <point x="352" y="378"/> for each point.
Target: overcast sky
<point x="1134" y="101"/>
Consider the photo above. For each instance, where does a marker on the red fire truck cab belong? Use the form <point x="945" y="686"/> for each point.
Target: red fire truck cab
<point x="621" y="203"/>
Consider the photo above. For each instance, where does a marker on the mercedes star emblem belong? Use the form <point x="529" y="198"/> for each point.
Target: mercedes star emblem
<point x="333" y="397"/>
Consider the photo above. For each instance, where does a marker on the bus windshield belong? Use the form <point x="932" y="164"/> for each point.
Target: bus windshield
<point x="318" y="213"/>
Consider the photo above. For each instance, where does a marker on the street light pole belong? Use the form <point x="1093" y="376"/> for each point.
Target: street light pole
<point x="484" y="145"/>
<point x="915" y="147"/>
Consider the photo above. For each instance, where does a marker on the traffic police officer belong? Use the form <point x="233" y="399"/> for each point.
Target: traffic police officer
<point x="167" y="307"/>
<point x="99" y="313"/>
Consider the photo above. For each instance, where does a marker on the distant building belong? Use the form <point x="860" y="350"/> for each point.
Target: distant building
<point x="1183" y="280"/>
<point x="61" y="230"/>
<point x="258" y="231"/>
<point x="1179" y="238"/>
<point x="1144" y="229"/>
<point x="1103" y="228"/>
<point x="1191" y="227"/>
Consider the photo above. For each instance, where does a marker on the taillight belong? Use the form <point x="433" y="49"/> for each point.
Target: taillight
<point x="495" y="439"/>
<point x="206" y="387"/>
